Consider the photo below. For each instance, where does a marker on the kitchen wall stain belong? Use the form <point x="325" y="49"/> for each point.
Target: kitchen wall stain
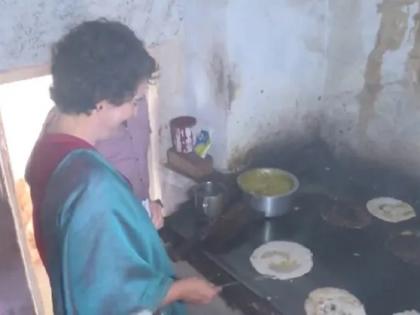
<point x="218" y="68"/>
<point x="392" y="30"/>
<point x="232" y="88"/>
<point x="413" y="59"/>
<point x="224" y="79"/>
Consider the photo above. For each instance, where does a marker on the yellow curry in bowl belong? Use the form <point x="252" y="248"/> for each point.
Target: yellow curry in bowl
<point x="266" y="182"/>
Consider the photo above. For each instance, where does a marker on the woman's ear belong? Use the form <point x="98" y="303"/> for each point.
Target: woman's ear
<point x="100" y="105"/>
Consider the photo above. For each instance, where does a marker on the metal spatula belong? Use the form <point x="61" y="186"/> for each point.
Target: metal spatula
<point x="236" y="282"/>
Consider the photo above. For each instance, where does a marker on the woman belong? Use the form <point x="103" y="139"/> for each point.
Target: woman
<point x="127" y="151"/>
<point x="101" y="251"/>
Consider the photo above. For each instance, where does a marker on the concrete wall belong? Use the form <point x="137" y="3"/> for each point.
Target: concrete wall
<point x="257" y="71"/>
<point x="291" y="70"/>
<point x="194" y="76"/>
<point x="27" y="31"/>
<point x="235" y="65"/>
<point x="252" y="72"/>
<point x="371" y="105"/>
<point x="278" y="70"/>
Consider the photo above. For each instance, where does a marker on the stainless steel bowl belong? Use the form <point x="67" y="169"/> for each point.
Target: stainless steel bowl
<point x="269" y="205"/>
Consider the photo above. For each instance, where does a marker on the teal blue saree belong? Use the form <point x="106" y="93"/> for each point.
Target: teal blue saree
<point x="102" y="253"/>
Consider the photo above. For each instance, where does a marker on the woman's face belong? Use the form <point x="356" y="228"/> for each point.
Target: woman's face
<point x="112" y="117"/>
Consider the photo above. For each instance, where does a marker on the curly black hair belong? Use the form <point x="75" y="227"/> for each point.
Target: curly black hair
<point x="98" y="60"/>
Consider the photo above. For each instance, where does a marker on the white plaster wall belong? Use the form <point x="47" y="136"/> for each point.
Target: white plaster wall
<point x="371" y="99"/>
<point x="248" y="70"/>
<point x="194" y="76"/>
<point x="254" y="71"/>
<point x="206" y="71"/>
<point x="347" y="68"/>
<point x="277" y="62"/>
<point x="29" y="28"/>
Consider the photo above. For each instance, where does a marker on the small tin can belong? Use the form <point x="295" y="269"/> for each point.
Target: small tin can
<point x="182" y="133"/>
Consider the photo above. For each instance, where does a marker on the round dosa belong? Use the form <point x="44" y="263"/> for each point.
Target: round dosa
<point x="390" y="209"/>
<point x="282" y="260"/>
<point x="333" y="301"/>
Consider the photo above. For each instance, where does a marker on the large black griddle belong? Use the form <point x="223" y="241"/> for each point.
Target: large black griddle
<point x="353" y="259"/>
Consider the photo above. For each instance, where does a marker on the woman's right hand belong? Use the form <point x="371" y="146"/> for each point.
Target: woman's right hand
<point x="196" y="290"/>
